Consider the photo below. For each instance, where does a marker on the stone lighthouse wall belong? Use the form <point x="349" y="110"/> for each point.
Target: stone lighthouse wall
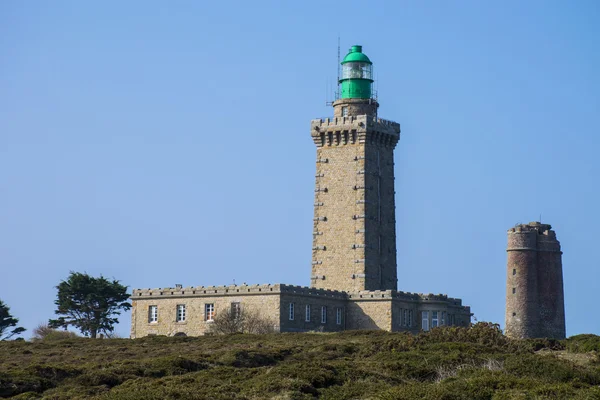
<point x="354" y="238"/>
<point x="534" y="286"/>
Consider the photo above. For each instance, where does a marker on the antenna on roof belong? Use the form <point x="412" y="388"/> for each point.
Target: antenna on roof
<point x="337" y="84"/>
<point x="336" y="94"/>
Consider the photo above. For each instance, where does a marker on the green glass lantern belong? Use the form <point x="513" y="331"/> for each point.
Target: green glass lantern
<point x="357" y="75"/>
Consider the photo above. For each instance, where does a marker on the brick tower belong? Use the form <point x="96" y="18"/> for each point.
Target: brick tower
<point x="534" y="284"/>
<point x="354" y="238"/>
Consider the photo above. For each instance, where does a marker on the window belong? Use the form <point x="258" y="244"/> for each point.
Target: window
<point x="443" y="318"/>
<point x="514" y="290"/>
<point x="344" y="111"/>
<point x="410" y="317"/>
<point x="180" y="313"/>
<point x="291" y="311"/>
<point x="425" y="320"/>
<point x="357" y="70"/>
<point x="338" y="316"/>
<point x="405" y="315"/>
<point x="153" y="314"/>
<point x="236" y="310"/>
<point x="209" y="312"/>
<point x="307" y="313"/>
<point x="514" y="271"/>
<point x="434" y="319"/>
<point x="324" y="314"/>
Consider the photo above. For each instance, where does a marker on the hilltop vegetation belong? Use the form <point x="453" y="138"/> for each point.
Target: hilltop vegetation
<point x="446" y="363"/>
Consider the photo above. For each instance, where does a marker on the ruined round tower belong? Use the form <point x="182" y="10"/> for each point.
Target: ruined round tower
<point x="534" y="283"/>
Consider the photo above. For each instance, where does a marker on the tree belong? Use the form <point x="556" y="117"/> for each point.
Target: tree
<point x="7" y="321"/>
<point x="89" y="304"/>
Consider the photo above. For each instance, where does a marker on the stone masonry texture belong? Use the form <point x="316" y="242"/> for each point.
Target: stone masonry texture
<point x="534" y="283"/>
<point x="354" y="237"/>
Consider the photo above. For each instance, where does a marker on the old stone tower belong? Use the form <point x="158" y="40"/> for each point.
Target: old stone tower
<point x="534" y="284"/>
<point x="354" y="238"/>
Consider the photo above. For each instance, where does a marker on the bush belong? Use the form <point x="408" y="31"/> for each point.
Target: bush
<point x="45" y="332"/>
<point x="248" y="321"/>
<point x="446" y="363"/>
<point x="484" y="333"/>
<point x="583" y="343"/>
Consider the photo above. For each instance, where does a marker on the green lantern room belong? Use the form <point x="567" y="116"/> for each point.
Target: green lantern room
<point x="357" y="75"/>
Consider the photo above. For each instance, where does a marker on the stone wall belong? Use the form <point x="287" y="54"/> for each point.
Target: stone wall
<point x="550" y="286"/>
<point x="332" y="304"/>
<point x="355" y="107"/>
<point x="380" y="221"/>
<point x="402" y="311"/>
<point x="354" y="241"/>
<point x="195" y="324"/>
<point x="370" y="313"/>
<point x="271" y="301"/>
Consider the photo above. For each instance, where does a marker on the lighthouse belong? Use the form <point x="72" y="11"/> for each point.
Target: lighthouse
<point x="354" y="227"/>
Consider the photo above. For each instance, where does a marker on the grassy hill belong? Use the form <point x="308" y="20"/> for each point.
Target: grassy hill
<point x="446" y="363"/>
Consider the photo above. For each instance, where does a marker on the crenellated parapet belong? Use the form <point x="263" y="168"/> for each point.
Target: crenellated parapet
<point x="263" y="289"/>
<point x="355" y="129"/>
<point x="405" y="296"/>
<point x="533" y="236"/>
<point x="309" y="291"/>
<point x="235" y="290"/>
<point x="195" y="291"/>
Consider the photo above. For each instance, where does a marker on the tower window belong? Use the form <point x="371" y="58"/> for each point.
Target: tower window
<point x="338" y="316"/>
<point x="514" y="271"/>
<point x="324" y="314"/>
<point x="344" y="111"/>
<point x="514" y="290"/>
<point x="514" y="314"/>
<point x="307" y="313"/>
<point x="291" y="311"/>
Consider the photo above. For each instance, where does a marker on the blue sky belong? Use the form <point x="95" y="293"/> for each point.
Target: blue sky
<point x="168" y="142"/>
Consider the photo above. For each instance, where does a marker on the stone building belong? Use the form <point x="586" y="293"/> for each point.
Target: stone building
<point x="535" y="305"/>
<point x="354" y="273"/>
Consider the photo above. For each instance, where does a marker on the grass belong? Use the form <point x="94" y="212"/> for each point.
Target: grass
<point x="446" y="363"/>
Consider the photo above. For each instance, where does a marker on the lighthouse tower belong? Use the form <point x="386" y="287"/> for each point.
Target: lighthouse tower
<point x="354" y="238"/>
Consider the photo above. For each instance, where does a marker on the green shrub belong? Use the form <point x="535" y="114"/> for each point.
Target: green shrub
<point x="583" y="343"/>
